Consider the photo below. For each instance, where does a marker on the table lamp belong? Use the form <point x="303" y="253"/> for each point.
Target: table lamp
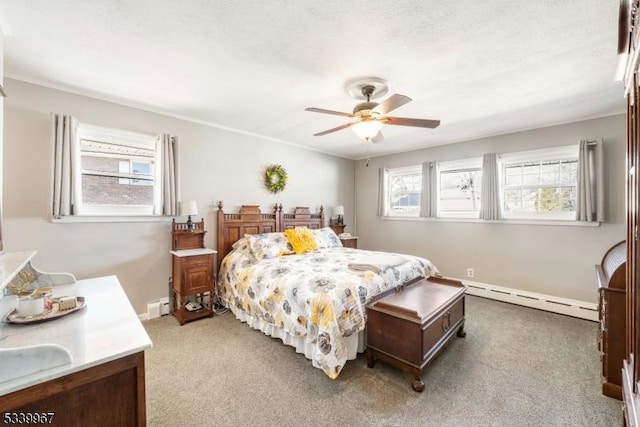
<point x="339" y="210"/>
<point x="189" y="208"/>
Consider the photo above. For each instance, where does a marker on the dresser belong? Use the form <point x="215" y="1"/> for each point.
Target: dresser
<point x="611" y="275"/>
<point x="102" y="381"/>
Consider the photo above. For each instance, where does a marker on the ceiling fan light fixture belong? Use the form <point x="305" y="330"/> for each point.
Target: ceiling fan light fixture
<point x="367" y="129"/>
<point x="369" y="117"/>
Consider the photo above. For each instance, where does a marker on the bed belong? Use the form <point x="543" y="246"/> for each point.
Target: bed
<point x="315" y="301"/>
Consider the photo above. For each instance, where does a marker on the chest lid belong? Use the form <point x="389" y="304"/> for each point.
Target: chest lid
<point x="418" y="302"/>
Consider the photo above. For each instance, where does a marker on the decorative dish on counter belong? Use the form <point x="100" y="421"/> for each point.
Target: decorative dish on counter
<point x="60" y="306"/>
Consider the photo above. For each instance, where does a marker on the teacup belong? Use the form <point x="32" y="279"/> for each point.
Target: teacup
<point x="47" y="293"/>
<point x="30" y="305"/>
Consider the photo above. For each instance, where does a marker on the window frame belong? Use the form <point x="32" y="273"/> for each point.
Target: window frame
<point x="567" y="152"/>
<point x="452" y="165"/>
<point x="111" y="135"/>
<point x="143" y="180"/>
<point x="403" y="170"/>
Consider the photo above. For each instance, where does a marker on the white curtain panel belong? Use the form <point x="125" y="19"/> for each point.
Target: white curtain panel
<point x="490" y="207"/>
<point x="66" y="152"/>
<point x="170" y="175"/>
<point x="428" y="198"/>
<point x="590" y="197"/>
<point x="382" y="191"/>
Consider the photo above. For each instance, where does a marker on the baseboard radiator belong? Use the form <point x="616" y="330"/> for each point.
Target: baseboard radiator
<point x="569" y="307"/>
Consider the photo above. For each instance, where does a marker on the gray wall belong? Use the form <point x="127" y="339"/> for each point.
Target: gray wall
<point x="222" y="165"/>
<point x="553" y="260"/>
<point x="215" y="165"/>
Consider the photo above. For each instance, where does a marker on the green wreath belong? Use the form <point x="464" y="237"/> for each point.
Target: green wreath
<point x="275" y="178"/>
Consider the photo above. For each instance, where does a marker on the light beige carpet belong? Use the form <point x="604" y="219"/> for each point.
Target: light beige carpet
<point x="516" y="367"/>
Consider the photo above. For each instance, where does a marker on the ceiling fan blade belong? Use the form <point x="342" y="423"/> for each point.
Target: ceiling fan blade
<point x="404" y="121"/>
<point x="344" y="126"/>
<point x="391" y="103"/>
<point x="322" y="110"/>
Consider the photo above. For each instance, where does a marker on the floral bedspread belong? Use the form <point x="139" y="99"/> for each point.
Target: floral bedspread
<point x="320" y="296"/>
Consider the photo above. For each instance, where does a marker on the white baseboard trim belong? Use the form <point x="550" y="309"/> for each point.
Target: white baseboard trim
<point x="569" y="307"/>
<point x="155" y="309"/>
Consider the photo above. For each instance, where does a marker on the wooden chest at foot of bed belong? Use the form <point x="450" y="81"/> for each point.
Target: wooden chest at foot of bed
<point x="408" y="328"/>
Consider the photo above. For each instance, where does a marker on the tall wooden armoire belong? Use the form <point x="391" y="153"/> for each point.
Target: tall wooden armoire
<point x="628" y="71"/>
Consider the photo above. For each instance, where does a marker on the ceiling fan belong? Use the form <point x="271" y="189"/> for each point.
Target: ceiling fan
<point x="370" y="116"/>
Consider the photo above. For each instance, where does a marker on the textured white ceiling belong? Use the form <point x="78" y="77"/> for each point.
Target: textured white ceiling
<point x="481" y="67"/>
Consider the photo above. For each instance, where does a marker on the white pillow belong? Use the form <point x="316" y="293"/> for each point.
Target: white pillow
<point x="326" y="238"/>
<point x="269" y="245"/>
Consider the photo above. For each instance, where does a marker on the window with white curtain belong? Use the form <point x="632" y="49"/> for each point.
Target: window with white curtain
<point x="540" y="184"/>
<point x="119" y="173"/>
<point x="404" y="187"/>
<point x="459" y="188"/>
<point x="533" y="185"/>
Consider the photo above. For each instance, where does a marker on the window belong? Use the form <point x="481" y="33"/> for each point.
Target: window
<point x="459" y="184"/>
<point x="141" y="168"/>
<point x="533" y="185"/>
<point x="118" y="172"/>
<point x="404" y="187"/>
<point x="540" y="184"/>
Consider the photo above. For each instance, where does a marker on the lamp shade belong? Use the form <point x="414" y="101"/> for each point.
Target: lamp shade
<point x="338" y="210"/>
<point x="188" y="208"/>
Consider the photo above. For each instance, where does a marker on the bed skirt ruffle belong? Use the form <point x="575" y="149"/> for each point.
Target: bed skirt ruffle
<point x="354" y="344"/>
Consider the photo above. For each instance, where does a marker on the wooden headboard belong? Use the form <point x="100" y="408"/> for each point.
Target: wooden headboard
<point x="302" y="217"/>
<point x="232" y="227"/>
<point x="249" y="220"/>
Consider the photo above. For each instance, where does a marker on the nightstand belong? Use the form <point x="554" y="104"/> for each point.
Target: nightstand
<point x="337" y="228"/>
<point x="192" y="273"/>
<point x="349" y="242"/>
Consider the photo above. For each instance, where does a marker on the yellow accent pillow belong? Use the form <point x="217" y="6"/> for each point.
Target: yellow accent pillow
<point x="301" y="239"/>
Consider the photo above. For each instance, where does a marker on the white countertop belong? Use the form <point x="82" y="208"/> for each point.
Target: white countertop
<point x="193" y="252"/>
<point x="106" y="329"/>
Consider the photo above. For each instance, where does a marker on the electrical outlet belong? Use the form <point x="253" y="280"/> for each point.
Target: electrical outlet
<point x="470" y="273"/>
